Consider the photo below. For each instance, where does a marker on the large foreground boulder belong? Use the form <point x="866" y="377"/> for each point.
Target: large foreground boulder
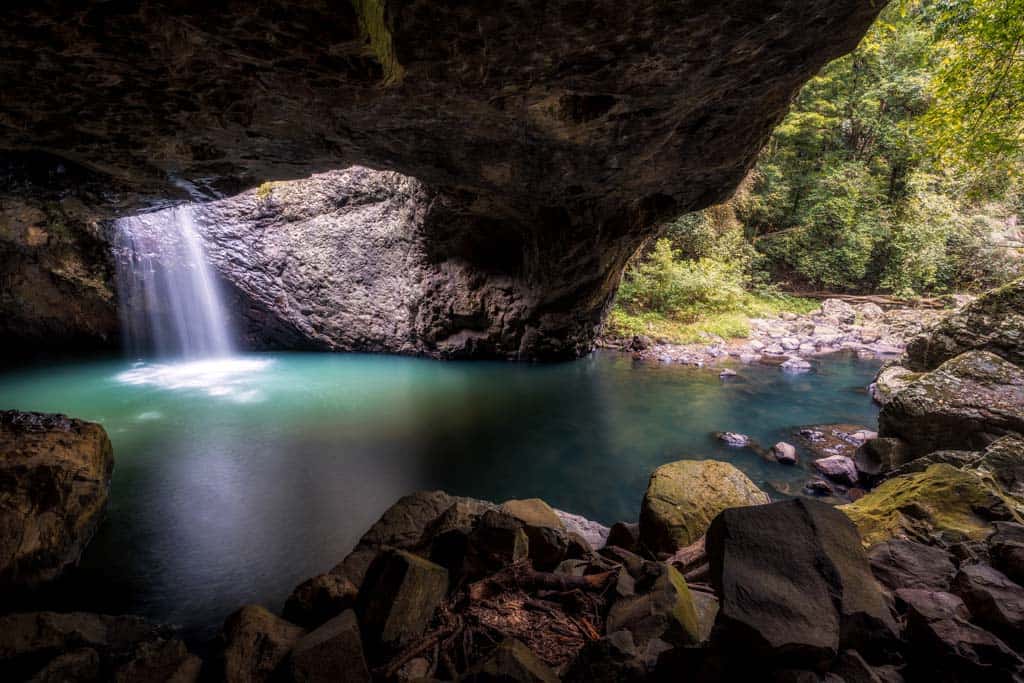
<point x="794" y="584"/>
<point x="684" y="496"/>
<point x="256" y="644"/>
<point x="993" y="322"/>
<point x="966" y="403"/>
<point x="54" y="480"/>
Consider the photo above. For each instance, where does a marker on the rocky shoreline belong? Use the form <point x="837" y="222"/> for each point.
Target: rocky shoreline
<point x="789" y="340"/>
<point x="918" y="578"/>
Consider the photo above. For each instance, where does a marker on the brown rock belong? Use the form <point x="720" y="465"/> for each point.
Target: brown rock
<point x="320" y="599"/>
<point x="256" y="644"/>
<point x="332" y="653"/>
<point x="54" y="480"/>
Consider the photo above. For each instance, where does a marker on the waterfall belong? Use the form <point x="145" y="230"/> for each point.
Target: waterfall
<point x="169" y="300"/>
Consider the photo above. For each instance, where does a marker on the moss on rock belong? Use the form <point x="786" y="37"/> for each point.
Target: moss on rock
<point x="941" y="501"/>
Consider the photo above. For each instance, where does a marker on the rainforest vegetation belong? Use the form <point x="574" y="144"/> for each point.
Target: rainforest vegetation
<point x="899" y="169"/>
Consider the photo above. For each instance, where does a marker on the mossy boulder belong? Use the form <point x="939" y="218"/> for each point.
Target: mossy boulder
<point x="993" y="322"/>
<point x="891" y="379"/>
<point x="666" y="612"/>
<point x="684" y="496"/>
<point x="942" y="501"/>
<point x="966" y="403"/>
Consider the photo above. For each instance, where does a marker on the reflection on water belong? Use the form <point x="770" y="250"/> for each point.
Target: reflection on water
<point x="237" y="478"/>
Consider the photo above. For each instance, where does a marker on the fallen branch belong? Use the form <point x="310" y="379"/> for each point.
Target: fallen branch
<point x="528" y="579"/>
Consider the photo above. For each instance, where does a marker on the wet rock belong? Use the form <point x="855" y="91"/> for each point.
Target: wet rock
<point x="665" y="611"/>
<point x="832" y="439"/>
<point x="994" y="322"/>
<point x="545" y="531"/>
<point x="785" y="453"/>
<point x="54" y="481"/>
<point x="733" y="439"/>
<point x="594" y="533"/>
<point x="943" y="642"/>
<point x="966" y="403"/>
<point x="816" y="486"/>
<point x="399" y="597"/>
<point x="837" y="467"/>
<point x="625" y="535"/>
<point x="333" y="652"/>
<point x="801" y="605"/>
<point x="941" y="502"/>
<point x="879" y="456"/>
<point x="901" y="563"/>
<point x="727" y="373"/>
<point x="684" y="496"/>
<point x="1006" y="548"/>
<point x="319" y="599"/>
<point x="511" y="662"/>
<point x="641" y="342"/>
<point x="996" y="603"/>
<point x="838" y="310"/>
<point x="796" y="365"/>
<point x="256" y="643"/>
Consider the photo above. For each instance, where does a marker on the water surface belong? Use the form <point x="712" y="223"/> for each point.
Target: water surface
<point x="235" y="480"/>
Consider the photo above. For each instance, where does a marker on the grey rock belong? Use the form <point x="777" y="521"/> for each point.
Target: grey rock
<point x="996" y="603"/>
<point x="901" y="563"/>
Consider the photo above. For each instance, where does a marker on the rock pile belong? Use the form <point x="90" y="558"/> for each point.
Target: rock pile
<point x="790" y="339"/>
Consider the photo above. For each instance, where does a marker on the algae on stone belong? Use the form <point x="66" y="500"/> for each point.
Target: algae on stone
<point x="684" y="496"/>
<point x="941" y="501"/>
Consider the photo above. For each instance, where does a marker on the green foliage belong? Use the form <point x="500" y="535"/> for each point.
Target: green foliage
<point x="850" y="194"/>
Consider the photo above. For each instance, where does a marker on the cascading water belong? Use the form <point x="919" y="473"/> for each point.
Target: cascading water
<point x="169" y="300"/>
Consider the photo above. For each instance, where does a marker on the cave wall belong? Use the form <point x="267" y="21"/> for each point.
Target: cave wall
<point x="552" y="136"/>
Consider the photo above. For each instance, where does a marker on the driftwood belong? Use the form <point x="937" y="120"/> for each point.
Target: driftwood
<point x="526" y="578"/>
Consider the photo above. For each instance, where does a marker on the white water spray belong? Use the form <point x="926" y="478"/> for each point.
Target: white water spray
<point x="169" y="300"/>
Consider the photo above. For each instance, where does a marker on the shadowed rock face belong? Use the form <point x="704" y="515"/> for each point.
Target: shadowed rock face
<point x="553" y="137"/>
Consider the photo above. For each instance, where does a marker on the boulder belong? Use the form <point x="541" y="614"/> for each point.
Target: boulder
<point x="1003" y="462"/>
<point x="544" y="529"/>
<point x="941" y="502"/>
<point x="402" y="526"/>
<point x="511" y="662"/>
<point x="839" y="468"/>
<point x="497" y="540"/>
<point x="996" y="603"/>
<point x="331" y="653"/>
<point x="256" y="643"/>
<point x="994" y="322"/>
<point x="826" y="440"/>
<point x="785" y="453"/>
<point x="891" y="380"/>
<point x="684" y="496"/>
<point x="869" y="311"/>
<point x="966" y="403"/>
<point x="664" y="611"/>
<point x="54" y="481"/>
<point x="879" y="456"/>
<point x="77" y="666"/>
<point x="957" y="459"/>
<point x="944" y="644"/>
<point x="320" y="599"/>
<point x="901" y="563"/>
<point x="802" y="605"/>
<point x="838" y="310"/>
<point x="130" y="647"/>
<point x="1006" y="549"/>
<point x="594" y="533"/>
<point x="400" y="594"/>
<point x="625" y="535"/>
